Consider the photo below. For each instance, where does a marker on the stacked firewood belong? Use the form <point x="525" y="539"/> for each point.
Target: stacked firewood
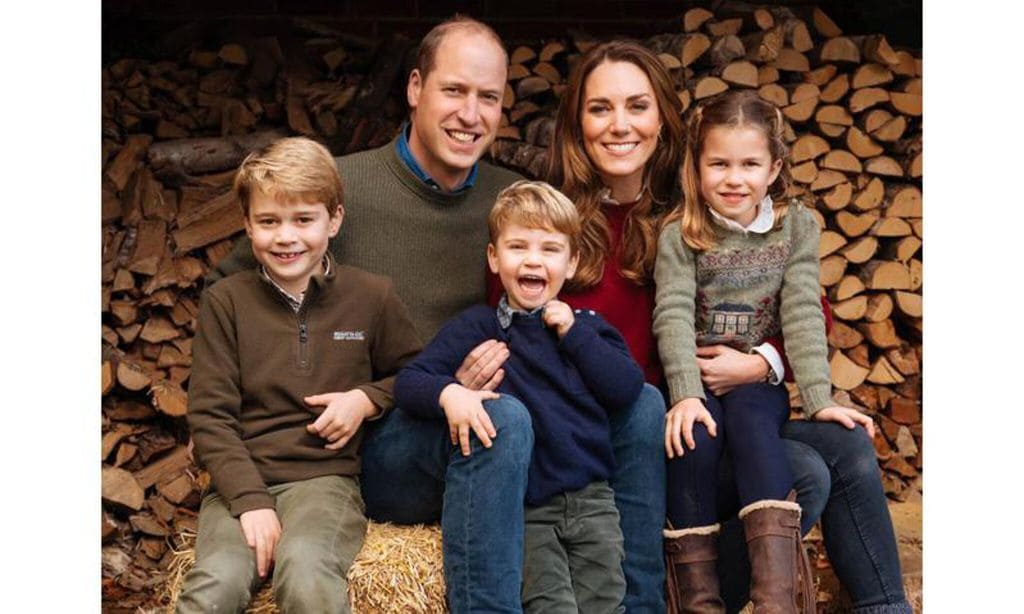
<point x="175" y="128"/>
<point x="173" y="131"/>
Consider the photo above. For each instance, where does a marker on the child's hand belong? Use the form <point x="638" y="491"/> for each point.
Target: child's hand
<point x="846" y="416"/>
<point x="261" y="530"/>
<point x="343" y="414"/>
<point x="465" y="410"/>
<point x="559" y="316"/>
<point x="481" y="370"/>
<point x="680" y="419"/>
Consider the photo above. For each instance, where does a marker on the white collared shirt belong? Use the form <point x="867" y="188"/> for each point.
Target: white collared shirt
<point x="762" y="223"/>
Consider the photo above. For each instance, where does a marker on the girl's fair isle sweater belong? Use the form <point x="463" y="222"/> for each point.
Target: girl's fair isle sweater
<point x="745" y="289"/>
<point x="568" y="386"/>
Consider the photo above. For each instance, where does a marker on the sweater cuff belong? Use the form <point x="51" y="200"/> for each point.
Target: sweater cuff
<point x="816" y="398"/>
<point x="687" y="385"/>
<point x="380" y="400"/>
<point x="247" y="503"/>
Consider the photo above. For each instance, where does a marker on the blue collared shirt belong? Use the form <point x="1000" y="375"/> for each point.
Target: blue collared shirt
<point x="402" y="146"/>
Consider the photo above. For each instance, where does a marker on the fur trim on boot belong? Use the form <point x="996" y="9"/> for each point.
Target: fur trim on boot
<point x="691" y="577"/>
<point x="780" y="571"/>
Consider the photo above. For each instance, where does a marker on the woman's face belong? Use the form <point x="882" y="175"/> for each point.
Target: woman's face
<point x="620" y="121"/>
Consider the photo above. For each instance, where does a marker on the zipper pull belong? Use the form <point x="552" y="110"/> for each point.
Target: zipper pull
<point x="303" y="332"/>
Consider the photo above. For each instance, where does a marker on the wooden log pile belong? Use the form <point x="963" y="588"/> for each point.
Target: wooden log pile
<point x="174" y="129"/>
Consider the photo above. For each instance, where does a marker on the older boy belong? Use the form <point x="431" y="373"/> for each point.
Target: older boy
<point x="283" y="456"/>
<point x="569" y="370"/>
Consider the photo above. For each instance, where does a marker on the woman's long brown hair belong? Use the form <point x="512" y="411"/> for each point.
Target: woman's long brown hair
<point x="574" y="173"/>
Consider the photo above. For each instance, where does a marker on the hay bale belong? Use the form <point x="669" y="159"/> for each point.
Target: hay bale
<point x="398" y="570"/>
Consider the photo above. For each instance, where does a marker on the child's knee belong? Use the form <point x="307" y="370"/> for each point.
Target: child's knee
<point x="221" y="582"/>
<point x="309" y="587"/>
<point x="512" y="422"/>
<point x="310" y="577"/>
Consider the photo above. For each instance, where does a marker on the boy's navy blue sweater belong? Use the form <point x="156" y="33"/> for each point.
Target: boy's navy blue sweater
<point x="568" y="386"/>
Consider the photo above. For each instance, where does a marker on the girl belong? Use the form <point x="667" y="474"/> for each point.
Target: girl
<point x="735" y="267"/>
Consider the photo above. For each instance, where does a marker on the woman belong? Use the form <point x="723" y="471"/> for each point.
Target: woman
<point x="616" y="152"/>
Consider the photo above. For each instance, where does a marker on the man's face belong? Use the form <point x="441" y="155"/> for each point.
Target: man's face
<point x="456" y="109"/>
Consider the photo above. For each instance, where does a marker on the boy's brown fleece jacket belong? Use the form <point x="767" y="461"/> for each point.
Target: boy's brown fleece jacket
<point x="254" y="359"/>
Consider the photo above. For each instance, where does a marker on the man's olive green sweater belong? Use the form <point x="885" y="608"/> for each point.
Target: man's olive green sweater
<point x="255" y="359"/>
<point x="432" y="244"/>
<point x="743" y="290"/>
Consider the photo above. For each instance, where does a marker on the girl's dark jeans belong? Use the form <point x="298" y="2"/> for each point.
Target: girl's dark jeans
<point x="748" y="420"/>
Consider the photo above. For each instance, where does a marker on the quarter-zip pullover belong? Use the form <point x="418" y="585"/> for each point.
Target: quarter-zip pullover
<point x="255" y="359"/>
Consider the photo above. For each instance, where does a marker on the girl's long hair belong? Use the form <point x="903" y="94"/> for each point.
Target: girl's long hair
<point x="574" y="173"/>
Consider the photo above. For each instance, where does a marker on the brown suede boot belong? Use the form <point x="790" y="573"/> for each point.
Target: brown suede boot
<point x="691" y="578"/>
<point x="780" y="572"/>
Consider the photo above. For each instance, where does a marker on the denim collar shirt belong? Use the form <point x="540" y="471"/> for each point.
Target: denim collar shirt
<point x="405" y="154"/>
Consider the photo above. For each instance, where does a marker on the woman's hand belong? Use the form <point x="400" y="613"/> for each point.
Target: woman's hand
<point x="846" y="416"/>
<point x="680" y="420"/>
<point x="723" y="368"/>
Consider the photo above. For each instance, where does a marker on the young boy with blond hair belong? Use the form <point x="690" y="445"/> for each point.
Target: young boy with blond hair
<point x="570" y="369"/>
<point x="289" y="359"/>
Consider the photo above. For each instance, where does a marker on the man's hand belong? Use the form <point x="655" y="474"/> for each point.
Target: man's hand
<point x="723" y="368"/>
<point x="465" y="410"/>
<point x="559" y="316"/>
<point x="846" y="416"/>
<point x="262" y="531"/>
<point x="481" y="370"/>
<point x="343" y="413"/>
<point x="680" y="420"/>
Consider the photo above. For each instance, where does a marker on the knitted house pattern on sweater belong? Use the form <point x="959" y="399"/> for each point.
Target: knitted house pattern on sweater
<point x="739" y="323"/>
